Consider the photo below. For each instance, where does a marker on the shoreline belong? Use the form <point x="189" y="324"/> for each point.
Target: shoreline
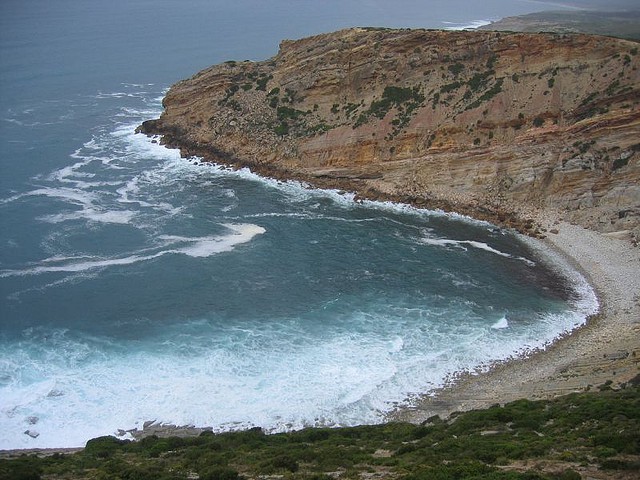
<point x="603" y="351"/>
<point x="606" y="349"/>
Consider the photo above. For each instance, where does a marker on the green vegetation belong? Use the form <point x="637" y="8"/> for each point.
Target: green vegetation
<point x="319" y="128"/>
<point x="262" y="82"/>
<point x="435" y="100"/>
<point x="229" y="92"/>
<point x="289" y="113"/>
<point x="404" y="99"/>
<point x="623" y="161"/>
<point x="480" y="80"/>
<point x="492" y="61"/>
<point x="281" y="129"/>
<point x="350" y="108"/>
<point x="495" y="89"/>
<point x="595" y="430"/>
<point x="456" y="68"/>
<point x="583" y="147"/>
<point x="450" y="87"/>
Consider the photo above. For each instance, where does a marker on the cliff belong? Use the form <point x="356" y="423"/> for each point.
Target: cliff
<point x="492" y="124"/>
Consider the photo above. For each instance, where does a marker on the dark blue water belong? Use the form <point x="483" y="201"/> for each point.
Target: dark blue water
<point x="136" y="285"/>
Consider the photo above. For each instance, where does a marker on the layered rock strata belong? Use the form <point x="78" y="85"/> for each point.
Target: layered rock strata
<point x="496" y="125"/>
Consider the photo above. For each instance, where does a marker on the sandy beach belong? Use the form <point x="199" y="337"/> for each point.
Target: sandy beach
<point x="606" y="349"/>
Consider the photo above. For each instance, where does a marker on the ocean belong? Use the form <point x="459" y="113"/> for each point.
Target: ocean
<point x="139" y="286"/>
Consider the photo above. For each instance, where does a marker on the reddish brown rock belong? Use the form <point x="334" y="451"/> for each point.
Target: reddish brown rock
<point x="490" y="124"/>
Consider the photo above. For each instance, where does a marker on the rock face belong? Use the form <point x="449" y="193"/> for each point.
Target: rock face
<point x="487" y="123"/>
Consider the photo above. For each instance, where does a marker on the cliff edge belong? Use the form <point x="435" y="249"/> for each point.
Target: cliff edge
<point x="496" y="125"/>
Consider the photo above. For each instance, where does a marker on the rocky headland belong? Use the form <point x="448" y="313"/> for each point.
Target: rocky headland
<point x="500" y="126"/>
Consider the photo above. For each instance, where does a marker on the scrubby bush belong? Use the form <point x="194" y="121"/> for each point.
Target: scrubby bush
<point x="104" y="447"/>
<point x="23" y="468"/>
<point x="282" y="462"/>
<point x="219" y="473"/>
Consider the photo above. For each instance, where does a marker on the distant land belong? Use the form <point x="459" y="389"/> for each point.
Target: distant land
<point x="621" y="23"/>
<point x="603" y="5"/>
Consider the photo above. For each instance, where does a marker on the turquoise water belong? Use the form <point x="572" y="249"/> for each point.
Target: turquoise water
<point x="136" y="285"/>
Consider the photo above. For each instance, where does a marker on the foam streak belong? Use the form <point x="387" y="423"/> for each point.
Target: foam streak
<point x="196" y="247"/>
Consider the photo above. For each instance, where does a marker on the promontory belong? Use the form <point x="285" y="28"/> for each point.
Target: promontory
<point x="492" y="124"/>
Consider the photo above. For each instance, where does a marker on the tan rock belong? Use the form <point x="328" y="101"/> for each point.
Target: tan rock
<point x="478" y="122"/>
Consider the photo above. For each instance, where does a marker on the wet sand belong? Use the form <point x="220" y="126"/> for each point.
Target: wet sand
<point x="606" y="349"/>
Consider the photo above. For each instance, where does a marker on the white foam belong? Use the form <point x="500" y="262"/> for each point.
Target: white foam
<point x="280" y="374"/>
<point x="72" y="195"/>
<point x="134" y="192"/>
<point x="195" y="247"/>
<point x="116" y="217"/>
<point x="119" y="95"/>
<point x="220" y="387"/>
<point x="472" y="25"/>
<point x="83" y="198"/>
<point x="207" y="246"/>
<point x="298" y="192"/>
<point x="501" y="324"/>
<point x="443" y="242"/>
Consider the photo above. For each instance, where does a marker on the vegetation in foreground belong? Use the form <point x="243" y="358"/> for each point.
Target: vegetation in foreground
<point x="559" y="439"/>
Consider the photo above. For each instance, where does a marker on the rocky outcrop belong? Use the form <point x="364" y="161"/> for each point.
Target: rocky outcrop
<point x="493" y="124"/>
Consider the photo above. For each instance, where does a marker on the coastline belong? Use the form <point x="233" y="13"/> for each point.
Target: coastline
<point x="604" y="351"/>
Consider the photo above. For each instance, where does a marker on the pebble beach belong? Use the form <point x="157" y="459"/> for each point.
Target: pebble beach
<point x="603" y="352"/>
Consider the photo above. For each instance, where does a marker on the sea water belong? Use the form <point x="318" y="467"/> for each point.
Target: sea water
<point x="138" y="286"/>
